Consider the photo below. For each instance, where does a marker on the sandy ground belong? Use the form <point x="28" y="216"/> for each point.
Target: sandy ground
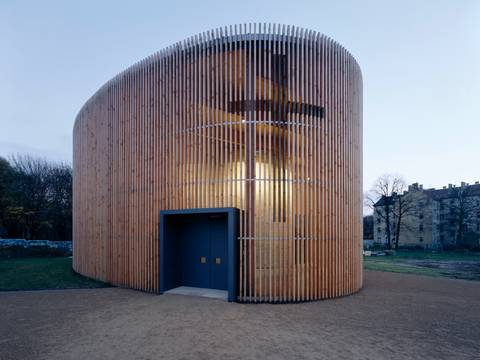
<point x="395" y="316"/>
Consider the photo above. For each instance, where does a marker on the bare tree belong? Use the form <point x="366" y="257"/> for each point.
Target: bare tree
<point x="368" y="227"/>
<point x="462" y="211"/>
<point x="393" y="207"/>
<point x="404" y="205"/>
<point x="41" y="199"/>
<point x="6" y="184"/>
<point x="31" y="187"/>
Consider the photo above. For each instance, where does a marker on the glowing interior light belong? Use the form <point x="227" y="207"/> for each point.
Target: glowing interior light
<point x="267" y="186"/>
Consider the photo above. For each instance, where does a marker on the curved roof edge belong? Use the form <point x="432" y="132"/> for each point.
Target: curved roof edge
<point x="228" y="34"/>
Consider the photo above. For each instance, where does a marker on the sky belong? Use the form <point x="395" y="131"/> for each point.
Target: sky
<point x="420" y="62"/>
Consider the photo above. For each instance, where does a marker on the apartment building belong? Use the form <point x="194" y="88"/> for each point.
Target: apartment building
<point x="430" y="218"/>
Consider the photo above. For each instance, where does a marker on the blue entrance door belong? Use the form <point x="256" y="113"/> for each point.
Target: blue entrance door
<point x="204" y="251"/>
<point x="218" y="251"/>
<point x="195" y="248"/>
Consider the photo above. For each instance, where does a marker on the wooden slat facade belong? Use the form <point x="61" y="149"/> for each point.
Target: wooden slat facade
<point x="264" y="118"/>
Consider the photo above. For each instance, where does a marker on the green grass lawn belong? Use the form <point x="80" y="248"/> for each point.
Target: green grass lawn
<point x="57" y="273"/>
<point x="441" y="256"/>
<point x="449" y="264"/>
<point x="42" y="273"/>
<point x="392" y="265"/>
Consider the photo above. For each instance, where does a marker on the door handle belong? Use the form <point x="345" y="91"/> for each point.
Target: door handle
<point x="203" y="259"/>
<point x="218" y="260"/>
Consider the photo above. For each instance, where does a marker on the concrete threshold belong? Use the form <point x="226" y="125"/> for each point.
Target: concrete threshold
<point x="201" y="292"/>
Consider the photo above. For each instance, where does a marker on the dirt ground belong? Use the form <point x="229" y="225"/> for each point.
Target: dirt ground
<point x="456" y="269"/>
<point x="395" y="316"/>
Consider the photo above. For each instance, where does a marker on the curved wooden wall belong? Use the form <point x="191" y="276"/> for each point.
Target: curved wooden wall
<point x="260" y="117"/>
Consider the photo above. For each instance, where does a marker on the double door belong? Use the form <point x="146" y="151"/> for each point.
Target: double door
<point x="204" y="251"/>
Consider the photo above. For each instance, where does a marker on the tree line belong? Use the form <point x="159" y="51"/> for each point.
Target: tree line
<point x="35" y="199"/>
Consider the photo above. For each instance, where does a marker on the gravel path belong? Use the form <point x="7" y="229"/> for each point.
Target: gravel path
<point x="395" y="316"/>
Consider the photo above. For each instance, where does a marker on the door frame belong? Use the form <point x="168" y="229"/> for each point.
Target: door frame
<point x="168" y="278"/>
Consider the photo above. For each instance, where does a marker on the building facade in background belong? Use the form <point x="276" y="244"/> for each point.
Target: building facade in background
<point x="431" y="218"/>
